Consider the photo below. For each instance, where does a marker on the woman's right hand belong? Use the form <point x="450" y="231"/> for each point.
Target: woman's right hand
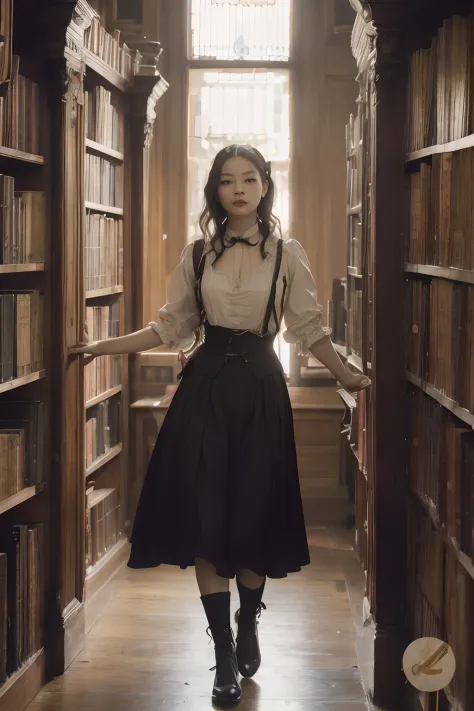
<point x="89" y="350"/>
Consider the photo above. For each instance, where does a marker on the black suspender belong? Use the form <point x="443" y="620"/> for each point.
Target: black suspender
<point x="271" y="301"/>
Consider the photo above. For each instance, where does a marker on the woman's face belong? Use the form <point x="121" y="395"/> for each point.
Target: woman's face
<point x="241" y="188"/>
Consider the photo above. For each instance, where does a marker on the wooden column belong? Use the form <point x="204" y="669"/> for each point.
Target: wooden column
<point x="388" y="482"/>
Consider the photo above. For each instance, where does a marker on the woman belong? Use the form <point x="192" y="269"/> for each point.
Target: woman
<point x="222" y="490"/>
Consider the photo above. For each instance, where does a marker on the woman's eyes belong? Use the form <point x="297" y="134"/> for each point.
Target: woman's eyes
<point x="247" y="180"/>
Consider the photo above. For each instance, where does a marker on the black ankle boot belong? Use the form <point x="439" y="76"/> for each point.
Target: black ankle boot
<point x="226" y="689"/>
<point x="248" y="648"/>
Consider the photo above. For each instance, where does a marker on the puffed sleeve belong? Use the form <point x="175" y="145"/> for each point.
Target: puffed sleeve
<point x="302" y="313"/>
<point x="179" y="318"/>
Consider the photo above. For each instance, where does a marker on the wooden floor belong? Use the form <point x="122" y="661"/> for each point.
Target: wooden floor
<point x="149" y="650"/>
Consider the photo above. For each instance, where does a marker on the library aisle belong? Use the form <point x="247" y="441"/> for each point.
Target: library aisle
<point x="149" y="651"/>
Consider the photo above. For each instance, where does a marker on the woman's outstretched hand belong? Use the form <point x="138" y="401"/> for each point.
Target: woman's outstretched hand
<point x="89" y="350"/>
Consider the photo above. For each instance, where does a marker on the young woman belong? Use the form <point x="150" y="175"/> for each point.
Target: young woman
<point x="222" y="491"/>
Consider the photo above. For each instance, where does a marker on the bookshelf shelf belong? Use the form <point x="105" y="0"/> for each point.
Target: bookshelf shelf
<point x="108" y="291"/>
<point x="20" y="497"/>
<point x="105" y="209"/>
<point x="355" y="210"/>
<point x="432" y="512"/>
<point x="21" y="688"/>
<point x="102" y="571"/>
<point x="112" y="76"/>
<point x="105" y="459"/>
<point x="462" y="275"/>
<point x="103" y="396"/>
<point x="13" y="154"/>
<point x="352" y="271"/>
<point x="459" y="145"/>
<point x="446" y="402"/>
<point x="21" y="268"/>
<point x="94" y="147"/>
<point x="19" y="382"/>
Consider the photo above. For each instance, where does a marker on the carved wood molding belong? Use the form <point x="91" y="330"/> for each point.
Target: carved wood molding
<point x="160" y="88"/>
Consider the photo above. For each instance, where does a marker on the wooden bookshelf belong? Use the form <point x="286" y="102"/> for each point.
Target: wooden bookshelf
<point x="462" y="275"/>
<point x="108" y="291"/>
<point x="20" y="382"/>
<point x="105" y="209"/>
<point x="21" y="268"/>
<point x="104" y="459"/>
<point x="451" y="147"/>
<point x="21" y="156"/>
<point x="432" y="512"/>
<point x="22" y="687"/>
<point x="104" y="150"/>
<point x="459" y="412"/>
<point x="104" y="71"/>
<point x="440" y="437"/>
<point x="28" y="493"/>
<point x="104" y="396"/>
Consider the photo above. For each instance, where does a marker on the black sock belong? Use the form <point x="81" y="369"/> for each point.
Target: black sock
<point x="249" y="602"/>
<point x="217" y="609"/>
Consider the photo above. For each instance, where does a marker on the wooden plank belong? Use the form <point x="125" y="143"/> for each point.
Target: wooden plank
<point x="106" y="209"/>
<point x="21" y="496"/>
<point x="13" y="154"/>
<point x="103" y="396"/>
<point x="432" y="512"/>
<point x="22" y="687"/>
<point x="94" y="147"/>
<point x="106" y="567"/>
<point x="20" y="268"/>
<point x="19" y="382"/>
<point x="462" y="275"/>
<point x="459" y="145"/>
<point x="101" y="461"/>
<point x="97" y="65"/>
<point x="443" y="400"/>
<point x="108" y="291"/>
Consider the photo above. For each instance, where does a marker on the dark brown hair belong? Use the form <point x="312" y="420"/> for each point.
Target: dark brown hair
<point x="213" y="218"/>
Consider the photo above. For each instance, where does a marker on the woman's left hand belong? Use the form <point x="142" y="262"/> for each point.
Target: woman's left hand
<point x="354" y="382"/>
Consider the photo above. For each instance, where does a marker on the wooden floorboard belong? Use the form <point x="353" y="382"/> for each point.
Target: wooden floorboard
<point x="149" y="650"/>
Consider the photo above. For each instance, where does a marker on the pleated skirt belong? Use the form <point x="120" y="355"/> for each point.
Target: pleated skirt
<point x="222" y="483"/>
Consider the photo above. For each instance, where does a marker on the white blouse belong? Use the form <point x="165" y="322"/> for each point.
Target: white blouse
<point x="236" y="290"/>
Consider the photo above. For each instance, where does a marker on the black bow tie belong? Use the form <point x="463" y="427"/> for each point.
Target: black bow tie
<point x="243" y="240"/>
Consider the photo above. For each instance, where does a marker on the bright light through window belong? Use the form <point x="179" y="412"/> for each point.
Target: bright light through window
<point x="228" y="30"/>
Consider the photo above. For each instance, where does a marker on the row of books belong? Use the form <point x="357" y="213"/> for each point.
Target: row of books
<point x="104" y="181"/>
<point x="440" y="105"/>
<point x="440" y="599"/>
<point x="354" y="321"/>
<point x="337" y="321"/>
<point x="20" y="595"/>
<point x="103" y="528"/>
<point x="104" y="122"/>
<point x="102" y="429"/>
<point x="21" y="334"/>
<point x="20" y="113"/>
<point x="107" y="47"/>
<point x="22" y="224"/>
<point x="356" y="243"/>
<point x="105" y="372"/>
<point x="441" y="465"/>
<point x="440" y="337"/>
<point x="22" y="431"/>
<point x="103" y="250"/>
<point x="441" y="212"/>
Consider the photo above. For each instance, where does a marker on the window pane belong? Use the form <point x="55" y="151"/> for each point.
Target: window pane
<point x="251" y="106"/>
<point x="229" y="30"/>
<point x="238" y="107"/>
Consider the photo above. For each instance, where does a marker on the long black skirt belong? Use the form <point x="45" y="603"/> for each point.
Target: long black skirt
<point x="222" y="482"/>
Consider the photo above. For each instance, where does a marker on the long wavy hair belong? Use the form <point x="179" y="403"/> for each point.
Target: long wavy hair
<point x="213" y="219"/>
